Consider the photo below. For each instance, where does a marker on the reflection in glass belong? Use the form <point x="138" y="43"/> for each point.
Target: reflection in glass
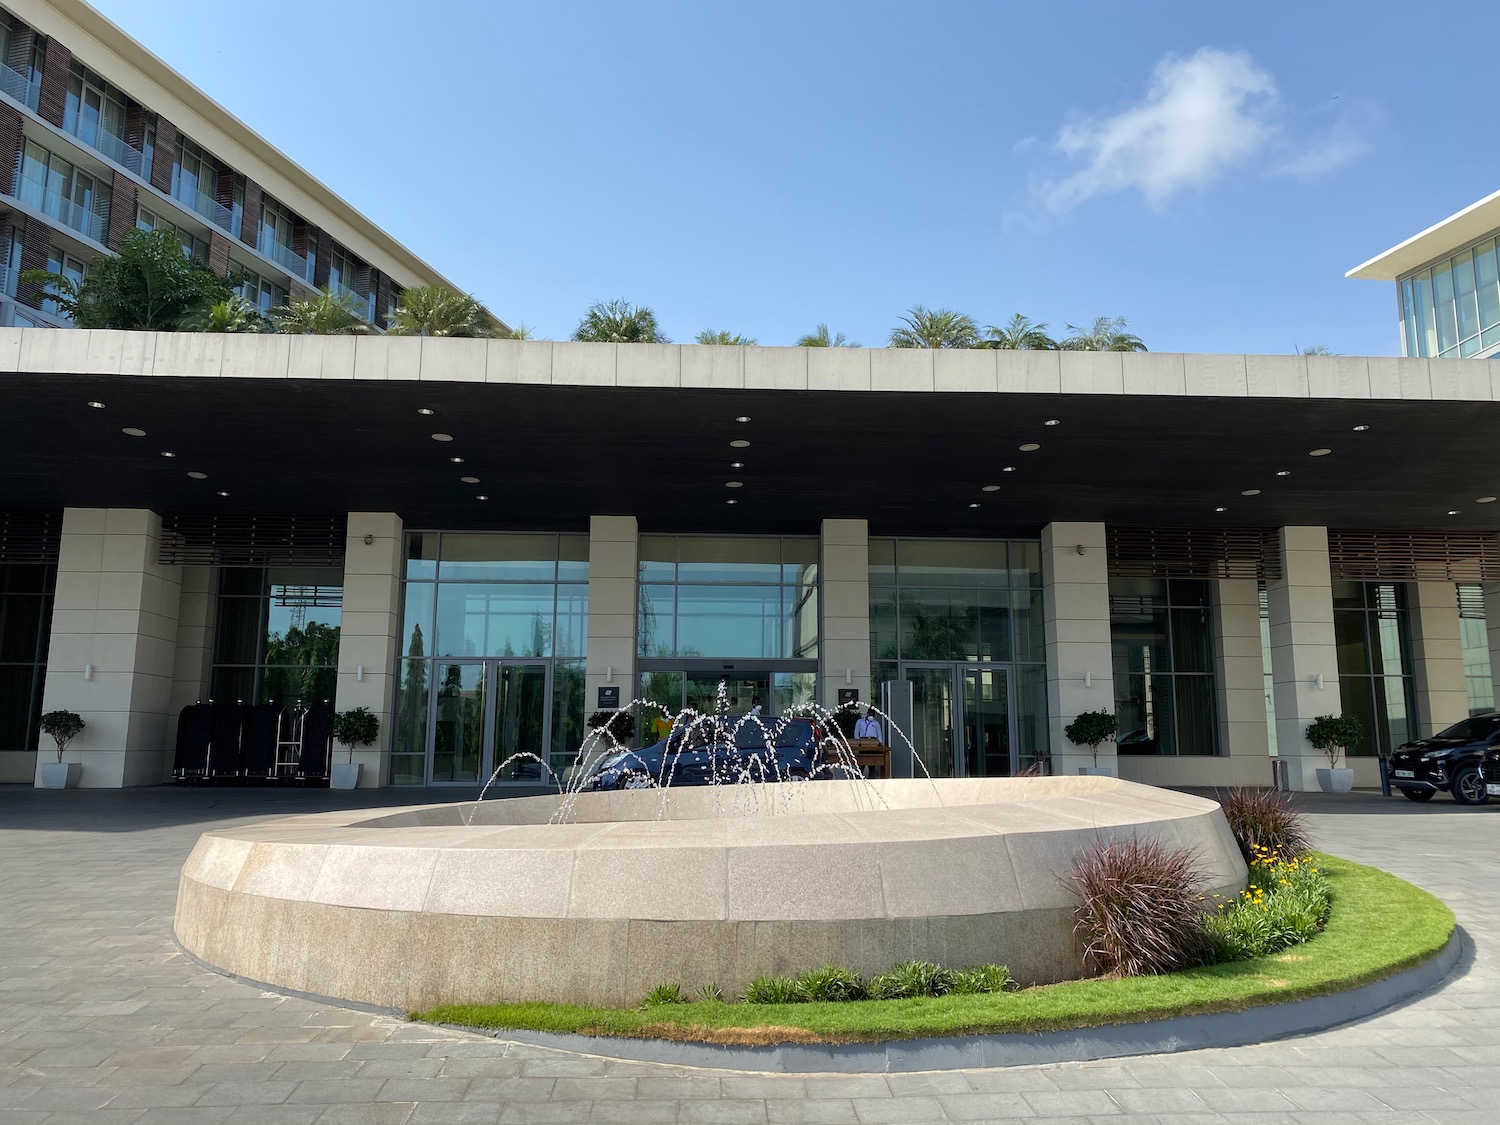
<point x="514" y="558"/>
<point x="742" y="621"/>
<point x="567" y="713"/>
<point x="986" y="723"/>
<point x="409" y="728"/>
<point x="494" y="619"/>
<point x="519" y="749"/>
<point x="933" y="708"/>
<point x="1195" y="714"/>
<point x="458" y="739"/>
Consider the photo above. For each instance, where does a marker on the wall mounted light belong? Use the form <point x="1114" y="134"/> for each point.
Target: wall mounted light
<point x="359" y="673"/>
<point x="369" y="540"/>
<point x="88" y="671"/>
<point x="848" y="675"/>
<point x="609" y="673"/>
<point x="1088" y="679"/>
<point x="1318" y="679"/>
<point x="1080" y="548"/>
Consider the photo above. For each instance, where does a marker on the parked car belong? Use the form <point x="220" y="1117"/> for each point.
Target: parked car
<point x="1448" y="762"/>
<point x="767" y="749"/>
<point x="1489" y="771"/>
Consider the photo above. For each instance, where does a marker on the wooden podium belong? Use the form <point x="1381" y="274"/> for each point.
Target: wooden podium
<point x="871" y="755"/>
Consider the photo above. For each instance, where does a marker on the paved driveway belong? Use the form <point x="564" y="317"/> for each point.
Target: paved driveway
<point x="103" y="1021"/>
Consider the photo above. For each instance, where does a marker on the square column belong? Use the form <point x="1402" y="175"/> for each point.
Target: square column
<point x="1492" y="630"/>
<point x="844" y="600"/>
<point x="1302" y="649"/>
<point x="613" y="606"/>
<point x="1075" y="583"/>
<point x="368" y="641"/>
<point x="113" y="646"/>
<point x="1437" y="654"/>
<point x="195" y="638"/>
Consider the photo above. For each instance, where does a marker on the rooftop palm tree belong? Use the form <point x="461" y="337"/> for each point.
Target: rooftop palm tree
<point x="233" y="314"/>
<point x="709" y="336"/>
<point x="619" y="322"/>
<point x="935" y="328"/>
<point x="435" y="310"/>
<point x="1316" y="349"/>
<point x="1020" y="334"/>
<point x="822" y="338"/>
<point x="519" y="332"/>
<point x="1107" y="334"/>
<point x="325" y="313"/>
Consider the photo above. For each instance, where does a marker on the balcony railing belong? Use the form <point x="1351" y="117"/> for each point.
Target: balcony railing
<point x="284" y="256"/>
<point x="19" y="87"/>
<point x="111" y="145"/>
<point x="62" y="209"/>
<point x="205" y="205"/>
<point x="362" y="303"/>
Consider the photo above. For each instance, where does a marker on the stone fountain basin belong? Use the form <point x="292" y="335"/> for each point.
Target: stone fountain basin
<point x="487" y="902"/>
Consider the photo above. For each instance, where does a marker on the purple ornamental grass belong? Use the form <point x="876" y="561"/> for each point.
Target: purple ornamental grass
<point x="1141" y="907"/>
<point x="1264" y="818"/>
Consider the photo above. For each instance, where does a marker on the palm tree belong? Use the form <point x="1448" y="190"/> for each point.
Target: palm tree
<point x="1022" y="335"/>
<point x="434" y="310"/>
<point x="822" y="338"/>
<point x="935" y="328"/>
<point x="709" y="336"/>
<point x="233" y="314"/>
<point x="325" y="313"/>
<point x="619" y="322"/>
<point x="519" y="332"/>
<point x="1316" y="349"/>
<point x="1107" y="335"/>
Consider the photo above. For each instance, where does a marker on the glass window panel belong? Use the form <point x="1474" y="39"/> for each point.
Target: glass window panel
<point x="1140" y="640"/>
<point x="242" y="580"/>
<point x="657" y="558"/>
<point x="567" y="714"/>
<point x="24" y="578"/>
<point x="1476" y="646"/>
<point x="509" y="557"/>
<point x="802" y="621"/>
<point x="288" y="685"/>
<point x="494" y="619"/>
<point x="1188" y="592"/>
<point x="17" y="706"/>
<point x="20" y="627"/>
<point x="656" y="627"/>
<point x="1026" y="563"/>
<point x="232" y="684"/>
<point x="883" y="641"/>
<point x="1348" y="595"/>
<point x="1469" y="348"/>
<point x="993" y="625"/>
<point x="1491" y="337"/>
<point x="664" y="689"/>
<point x="421" y="555"/>
<point x="1148" y="589"/>
<point x="1192" y="649"/>
<point x="409" y="731"/>
<point x="417" y="619"/>
<point x="459" y="735"/>
<point x="1349" y="636"/>
<point x="729" y="621"/>
<point x="1196" y="728"/>
<point x="735" y="560"/>
<point x="1386" y="630"/>
<point x="1464" y="296"/>
<point x="790" y="690"/>
<point x="938" y="625"/>
<point x="238" y="636"/>
<point x="571" y="635"/>
<point x="1393" y="719"/>
<point x="882" y="562"/>
<point x="1030" y="625"/>
<point x="1031" y="713"/>
<point x="1481" y="694"/>
<point x="799" y="551"/>
<point x="1409" y="319"/>
<point x="408" y="769"/>
<point x="572" y="558"/>
<point x="1359" y="703"/>
<point x="1447" y="324"/>
<point x="951" y="562"/>
<point x="1487" y="276"/>
<point x="1135" y="706"/>
<point x="1426" y="320"/>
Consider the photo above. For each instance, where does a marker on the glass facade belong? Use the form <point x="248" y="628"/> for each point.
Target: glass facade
<point x="1373" y="637"/>
<point x="192" y="245"/>
<point x="489" y="619"/>
<point x="25" y="626"/>
<point x="58" y="188"/>
<point x="1453" y="308"/>
<point x="276" y="636"/>
<point x="1161" y="635"/>
<point x="1476" y="649"/>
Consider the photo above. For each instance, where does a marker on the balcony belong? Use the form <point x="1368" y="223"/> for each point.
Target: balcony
<point x="287" y="258"/>
<point x="19" y="87"/>
<point x="363" y="304"/>
<point x="113" y="146"/>
<point x="204" y="205"/>
<point x="62" y="209"/>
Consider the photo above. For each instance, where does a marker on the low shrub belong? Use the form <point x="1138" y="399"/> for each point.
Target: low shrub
<point x="1286" y="904"/>
<point x="831" y="984"/>
<point x="669" y="993"/>
<point x="911" y="978"/>
<point x="711" y="993"/>
<point x="773" y="990"/>
<point x="1264" y="818"/>
<point x="1141" y="907"/>
<point x="982" y="978"/>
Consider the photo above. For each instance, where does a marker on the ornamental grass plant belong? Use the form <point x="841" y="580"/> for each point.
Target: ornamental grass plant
<point x="1141" y="907"/>
<point x="1264" y="819"/>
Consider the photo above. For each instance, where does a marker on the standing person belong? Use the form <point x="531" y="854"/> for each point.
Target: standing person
<point x="755" y="705"/>
<point x="867" y="727"/>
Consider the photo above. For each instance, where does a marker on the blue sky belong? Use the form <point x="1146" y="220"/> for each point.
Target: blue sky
<point x="1207" y="170"/>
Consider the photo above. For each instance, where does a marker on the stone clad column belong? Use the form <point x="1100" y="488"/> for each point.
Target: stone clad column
<point x="844" y="598"/>
<point x="613" y="604"/>
<point x="195" y="637"/>
<point x="368" y="642"/>
<point x="1437" y="655"/>
<point x="1075" y="583"/>
<point x="113" y="646"/>
<point x="1492" y="631"/>
<point x="1302" y="649"/>
<point x="1240" y="670"/>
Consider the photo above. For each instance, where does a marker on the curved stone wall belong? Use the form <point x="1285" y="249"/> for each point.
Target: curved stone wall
<point x="417" y="907"/>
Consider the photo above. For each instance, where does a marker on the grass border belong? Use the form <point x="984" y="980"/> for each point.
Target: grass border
<point x="1380" y="925"/>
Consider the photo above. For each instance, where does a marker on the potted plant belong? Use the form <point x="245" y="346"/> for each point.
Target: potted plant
<point x="1334" y="735"/>
<point x="617" y="725"/>
<point x="1092" y="729"/>
<point x="357" y="727"/>
<point x="63" y="726"/>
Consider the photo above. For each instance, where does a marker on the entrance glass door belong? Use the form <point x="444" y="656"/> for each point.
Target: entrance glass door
<point x="987" y="741"/>
<point x="490" y="713"/>
<point x="458" y="722"/>
<point x="518" y="738"/>
<point x="934" y="715"/>
<point x="961" y="719"/>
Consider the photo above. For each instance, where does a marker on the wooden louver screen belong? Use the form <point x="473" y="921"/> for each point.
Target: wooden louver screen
<point x="1414" y="556"/>
<point x="1193" y="552"/>
<point x="30" y="537"/>
<point x="198" y="540"/>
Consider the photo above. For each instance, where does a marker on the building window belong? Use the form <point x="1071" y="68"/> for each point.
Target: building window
<point x="264" y="295"/>
<point x="25" y="625"/>
<point x="1161" y="634"/>
<point x="1373" y="638"/>
<point x="71" y="268"/>
<point x="350" y="277"/>
<point x="1476" y="648"/>
<point x="276" y="637"/>
<point x="95" y="113"/>
<point x="195" y="178"/>
<point x="20" y="62"/>
<point x="276" y="237"/>
<point x="1453" y="308"/>
<point x="62" y="191"/>
<point x="192" y="246"/>
<point x="1265" y="664"/>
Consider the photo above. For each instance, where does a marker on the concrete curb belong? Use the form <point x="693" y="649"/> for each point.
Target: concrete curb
<point x="1181" y="1033"/>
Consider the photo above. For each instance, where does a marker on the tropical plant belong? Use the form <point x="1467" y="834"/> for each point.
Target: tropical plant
<point x="831" y="984"/>
<point x="1020" y="334"/>
<point x="233" y="314"/>
<point x="63" y="726"/>
<point x="709" y="336"/>
<point x="1092" y="729"/>
<point x="1334" y="735"/>
<point x="820" y="337"/>
<point x="669" y="993"/>
<point x="1264" y="819"/>
<point x="619" y="322"/>
<point x="325" y="313"/>
<point x="1140" y="907"/>
<point x="935" y="328"/>
<point x="1106" y="334"/>
<point x="435" y="310"/>
<point x="150" y="285"/>
<point x="355" y="727"/>
<point x="1315" y="349"/>
<point x="911" y="978"/>
<point x="983" y="978"/>
<point x="773" y="990"/>
<point x="518" y="332"/>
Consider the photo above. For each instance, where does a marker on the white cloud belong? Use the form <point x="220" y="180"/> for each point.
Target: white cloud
<point x="1203" y="117"/>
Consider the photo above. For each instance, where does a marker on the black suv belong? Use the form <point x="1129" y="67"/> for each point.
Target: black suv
<point x="1489" y="771"/>
<point x="715" y="752"/>
<point x="1449" y="761"/>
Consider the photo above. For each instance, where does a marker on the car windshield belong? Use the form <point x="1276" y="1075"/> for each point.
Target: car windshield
<point x="793" y="734"/>
<point x="1472" y="729"/>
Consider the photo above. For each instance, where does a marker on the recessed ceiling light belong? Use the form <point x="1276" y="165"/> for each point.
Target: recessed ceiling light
<point x="736" y="464"/>
<point x="1319" y="452"/>
<point x="1053" y="422"/>
<point x="457" y="460"/>
<point x="1360" y="429"/>
<point x="990" y="488"/>
<point x="1485" y="500"/>
<point x="975" y="504"/>
<point x="1030" y="447"/>
<point x="424" y="410"/>
<point x="1250" y="492"/>
<point x="222" y="493"/>
<point x="734" y="484"/>
<point x="731" y="501"/>
<point x="164" y="453"/>
<point x="1008" y="469"/>
<point x="481" y="496"/>
<point x="1283" y="472"/>
<point x="133" y="431"/>
<point x="442" y="437"/>
<point x="196" y="475"/>
<point x="469" y="480"/>
<point x="740" y="443"/>
<point x="1453" y="512"/>
<point x="743" y="418"/>
<point x="1221" y="509"/>
<point x="97" y="405"/>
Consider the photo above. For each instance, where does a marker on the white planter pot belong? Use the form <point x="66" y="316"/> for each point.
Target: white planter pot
<point x="344" y="775"/>
<point x="60" y="775"/>
<point x="1097" y="771"/>
<point x="1336" y="780"/>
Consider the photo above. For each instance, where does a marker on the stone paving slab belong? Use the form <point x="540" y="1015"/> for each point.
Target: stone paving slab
<point x="103" y="1020"/>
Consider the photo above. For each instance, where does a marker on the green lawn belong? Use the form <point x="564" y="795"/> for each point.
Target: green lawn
<point x="1379" y="925"/>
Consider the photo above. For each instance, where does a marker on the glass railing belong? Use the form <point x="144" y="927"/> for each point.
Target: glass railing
<point x="362" y="303"/>
<point x="19" y="87"/>
<point x="111" y="145"/>
<point x="62" y="209"/>
<point x="203" y="204"/>
<point x="8" y="279"/>
<point x="284" y="256"/>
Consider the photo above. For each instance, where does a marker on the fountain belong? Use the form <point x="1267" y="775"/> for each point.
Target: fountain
<point x="594" y="896"/>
